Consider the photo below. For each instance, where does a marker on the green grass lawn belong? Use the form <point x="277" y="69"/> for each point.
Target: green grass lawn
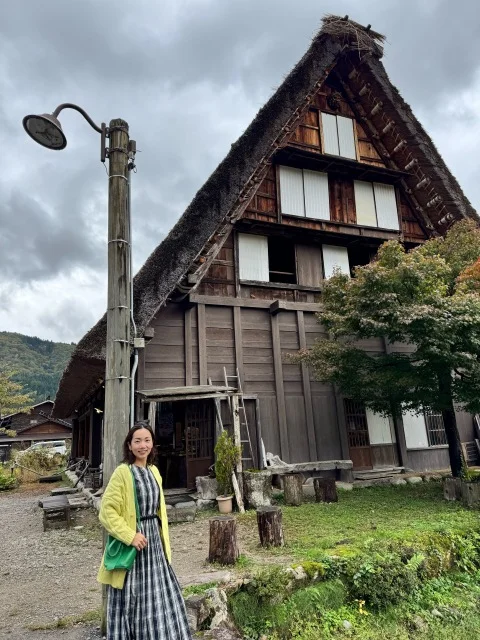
<point x="383" y="514"/>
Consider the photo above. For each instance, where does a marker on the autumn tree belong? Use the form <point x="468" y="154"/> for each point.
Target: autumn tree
<point x="427" y="298"/>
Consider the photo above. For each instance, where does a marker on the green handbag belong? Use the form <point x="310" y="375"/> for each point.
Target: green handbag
<point x="119" y="555"/>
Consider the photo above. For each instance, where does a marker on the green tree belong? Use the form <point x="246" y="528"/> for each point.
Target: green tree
<point x="12" y="400"/>
<point x="427" y="298"/>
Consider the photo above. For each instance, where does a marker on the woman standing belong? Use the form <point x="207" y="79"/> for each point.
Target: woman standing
<point x="146" y="602"/>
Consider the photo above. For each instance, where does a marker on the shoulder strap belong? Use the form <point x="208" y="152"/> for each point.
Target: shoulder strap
<point x="137" y="508"/>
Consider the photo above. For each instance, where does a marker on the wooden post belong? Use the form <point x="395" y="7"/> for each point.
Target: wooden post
<point x="223" y="540"/>
<point x="292" y="488"/>
<point x="270" y="530"/>
<point x="325" y="490"/>
<point x="237" y="438"/>
<point x="117" y="374"/>
<point x="452" y="489"/>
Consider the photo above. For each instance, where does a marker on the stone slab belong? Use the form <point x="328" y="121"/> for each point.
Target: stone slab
<point x="61" y="491"/>
<point x="344" y="486"/>
<point x="414" y="480"/>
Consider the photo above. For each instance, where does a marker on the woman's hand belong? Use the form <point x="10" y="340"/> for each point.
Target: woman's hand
<point x="139" y="541"/>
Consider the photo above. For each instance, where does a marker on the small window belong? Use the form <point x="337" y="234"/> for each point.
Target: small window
<point x="304" y="193"/>
<point x="376" y="205"/>
<point x="338" y="136"/>
<point x="435" y="429"/>
<point x="281" y="260"/>
<point x="335" y="258"/>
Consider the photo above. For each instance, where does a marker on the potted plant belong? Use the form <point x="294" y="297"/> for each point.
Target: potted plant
<point x="227" y="455"/>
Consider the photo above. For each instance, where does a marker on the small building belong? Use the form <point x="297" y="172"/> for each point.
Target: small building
<point x="36" y="425"/>
<point x="331" y="167"/>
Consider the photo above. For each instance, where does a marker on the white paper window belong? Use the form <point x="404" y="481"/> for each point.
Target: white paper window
<point x="386" y="203"/>
<point x="338" y="136"/>
<point x="376" y="205"/>
<point x="415" y="430"/>
<point x="253" y="257"/>
<point x="379" y="428"/>
<point x="335" y="258"/>
<point x="304" y="193"/>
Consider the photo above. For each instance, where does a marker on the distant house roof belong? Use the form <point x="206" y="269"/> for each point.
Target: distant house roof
<point x="220" y="199"/>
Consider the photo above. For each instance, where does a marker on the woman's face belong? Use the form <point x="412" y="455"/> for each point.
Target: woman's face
<point x="141" y="444"/>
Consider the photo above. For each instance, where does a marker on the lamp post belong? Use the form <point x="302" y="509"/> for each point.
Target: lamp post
<point x="47" y="131"/>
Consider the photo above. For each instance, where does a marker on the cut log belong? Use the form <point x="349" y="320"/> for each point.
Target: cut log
<point x="292" y="489"/>
<point x="257" y="488"/>
<point x="270" y="529"/>
<point x="471" y="494"/>
<point x="452" y="489"/>
<point x="325" y="490"/>
<point x="223" y="540"/>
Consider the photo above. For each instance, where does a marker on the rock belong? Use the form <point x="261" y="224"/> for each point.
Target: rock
<point x="207" y="487"/>
<point x="185" y="514"/>
<point x="184" y="505"/>
<point x="197" y="611"/>
<point x="345" y="486"/>
<point x="418" y="624"/>
<point x="169" y="506"/>
<point x="205" y="578"/>
<point x="414" y="480"/>
<point x="436" y="613"/>
<point x="398" y="482"/>
<point x="78" y="527"/>
<point x="297" y="573"/>
<point x="346" y="624"/>
<point x="205" y="504"/>
<point x="218" y="605"/>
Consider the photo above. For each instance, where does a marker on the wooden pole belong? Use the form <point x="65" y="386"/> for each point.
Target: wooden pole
<point x="270" y="530"/>
<point x="237" y="439"/>
<point x="117" y="374"/>
<point x="223" y="540"/>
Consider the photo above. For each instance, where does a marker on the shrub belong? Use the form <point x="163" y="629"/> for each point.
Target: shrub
<point x="7" y="481"/>
<point x="227" y="454"/>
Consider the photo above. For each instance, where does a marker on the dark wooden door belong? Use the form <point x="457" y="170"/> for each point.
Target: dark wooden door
<point x="199" y="427"/>
<point x="357" y="433"/>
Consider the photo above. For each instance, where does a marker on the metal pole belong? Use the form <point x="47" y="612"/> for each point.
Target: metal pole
<point x="117" y="374"/>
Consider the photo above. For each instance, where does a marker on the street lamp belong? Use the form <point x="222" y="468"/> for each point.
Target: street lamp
<point x="47" y="131"/>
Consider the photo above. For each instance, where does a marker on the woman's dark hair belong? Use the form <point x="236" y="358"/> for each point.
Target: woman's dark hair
<point x="128" y="456"/>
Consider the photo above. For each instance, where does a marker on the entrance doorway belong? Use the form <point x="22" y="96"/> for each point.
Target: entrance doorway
<point x="357" y="433"/>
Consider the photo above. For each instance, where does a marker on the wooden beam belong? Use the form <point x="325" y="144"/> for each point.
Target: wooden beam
<point x="226" y="301"/>
<point x="237" y="331"/>
<point x="341" y="423"/>
<point x="188" y="347"/>
<point x="279" y="389"/>
<point x="202" y="343"/>
<point x="283" y="305"/>
<point x="307" y="392"/>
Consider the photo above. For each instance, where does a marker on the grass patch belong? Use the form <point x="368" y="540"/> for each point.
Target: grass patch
<point x="197" y="589"/>
<point x="89" y="617"/>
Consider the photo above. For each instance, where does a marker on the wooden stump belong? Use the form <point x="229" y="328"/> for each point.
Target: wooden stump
<point x="292" y="488"/>
<point x="325" y="490"/>
<point x="471" y="494"/>
<point x="270" y="530"/>
<point x="257" y="488"/>
<point x="452" y="489"/>
<point x="223" y="540"/>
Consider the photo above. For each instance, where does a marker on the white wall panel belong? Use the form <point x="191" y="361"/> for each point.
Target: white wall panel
<point x="291" y="191"/>
<point x="335" y="257"/>
<point x="365" y="204"/>
<point x="386" y="204"/>
<point x="346" y="138"/>
<point x="330" y="135"/>
<point x="317" y="200"/>
<point x="253" y="257"/>
<point x="415" y="430"/>
<point x="380" y="430"/>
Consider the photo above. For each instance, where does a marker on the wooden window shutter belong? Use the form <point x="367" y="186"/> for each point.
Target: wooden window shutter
<point x="335" y="258"/>
<point x="415" y="430"/>
<point x="386" y="204"/>
<point x="346" y="138"/>
<point x="379" y="428"/>
<point x="365" y="204"/>
<point x="317" y="200"/>
<point x="253" y="257"/>
<point x="291" y="191"/>
<point x="309" y="265"/>
<point x="330" y="134"/>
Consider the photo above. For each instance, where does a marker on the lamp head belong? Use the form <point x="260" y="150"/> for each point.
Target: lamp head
<point x="46" y="130"/>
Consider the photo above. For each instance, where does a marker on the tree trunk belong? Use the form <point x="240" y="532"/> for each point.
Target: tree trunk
<point x="292" y="488"/>
<point x="270" y="530"/>
<point x="457" y="461"/>
<point x="325" y="490"/>
<point x="223" y="540"/>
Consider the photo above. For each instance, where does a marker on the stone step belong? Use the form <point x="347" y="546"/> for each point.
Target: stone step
<point x="373" y="474"/>
<point x="62" y="491"/>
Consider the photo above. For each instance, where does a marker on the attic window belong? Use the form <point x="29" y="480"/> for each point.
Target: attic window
<point x="304" y="193"/>
<point x="266" y="259"/>
<point x="376" y="205"/>
<point x="338" y="137"/>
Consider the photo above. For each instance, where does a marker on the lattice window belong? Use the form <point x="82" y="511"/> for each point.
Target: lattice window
<point x="357" y="426"/>
<point x="435" y="428"/>
<point x="199" y="429"/>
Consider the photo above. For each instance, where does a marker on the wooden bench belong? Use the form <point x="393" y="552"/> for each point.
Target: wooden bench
<point x="56" y="512"/>
<point x="344" y="467"/>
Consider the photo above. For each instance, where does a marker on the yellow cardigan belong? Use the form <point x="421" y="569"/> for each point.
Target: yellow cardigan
<point x="118" y="516"/>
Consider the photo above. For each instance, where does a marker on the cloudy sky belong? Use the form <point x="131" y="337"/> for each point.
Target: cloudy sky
<point x="188" y="76"/>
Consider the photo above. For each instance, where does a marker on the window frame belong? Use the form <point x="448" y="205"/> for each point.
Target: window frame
<point x="322" y="135"/>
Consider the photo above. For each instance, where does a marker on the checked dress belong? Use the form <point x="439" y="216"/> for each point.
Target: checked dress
<point x="150" y="606"/>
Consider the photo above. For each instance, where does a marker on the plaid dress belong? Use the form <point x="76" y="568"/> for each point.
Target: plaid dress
<point x="150" y="606"/>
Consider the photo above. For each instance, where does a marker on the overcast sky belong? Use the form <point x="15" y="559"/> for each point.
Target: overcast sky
<point x="188" y="76"/>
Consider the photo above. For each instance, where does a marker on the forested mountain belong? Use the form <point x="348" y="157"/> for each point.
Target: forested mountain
<point x="38" y="363"/>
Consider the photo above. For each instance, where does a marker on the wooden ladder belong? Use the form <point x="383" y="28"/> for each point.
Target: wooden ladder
<point x="237" y="383"/>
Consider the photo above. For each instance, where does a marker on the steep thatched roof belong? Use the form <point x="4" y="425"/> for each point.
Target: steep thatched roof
<point x="172" y="259"/>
